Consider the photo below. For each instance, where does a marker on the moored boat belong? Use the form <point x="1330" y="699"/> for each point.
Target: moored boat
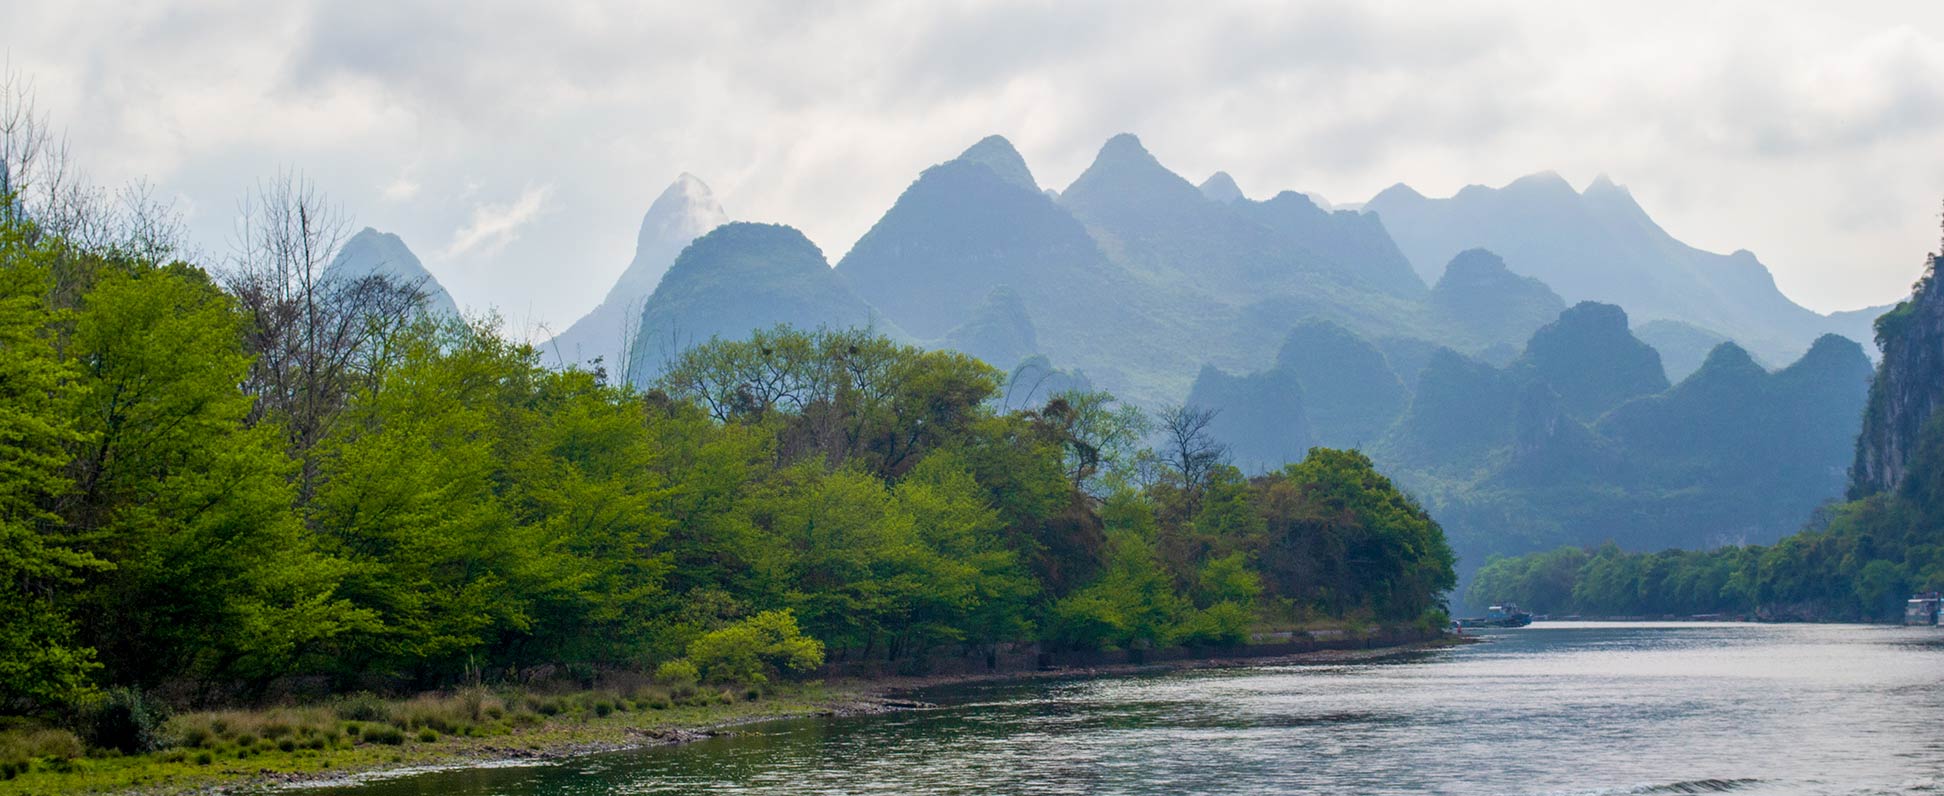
<point x="1507" y="615"/>
<point x="1922" y="609"/>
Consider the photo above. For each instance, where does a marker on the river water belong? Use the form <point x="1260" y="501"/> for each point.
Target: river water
<point x="1556" y="708"/>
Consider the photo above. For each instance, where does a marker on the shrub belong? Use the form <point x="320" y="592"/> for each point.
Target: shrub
<point x="20" y="748"/>
<point x="678" y="673"/>
<point x="204" y="758"/>
<point x="362" y="707"/>
<point x="384" y="734"/>
<point x="428" y="735"/>
<point x="1224" y="624"/>
<point x="195" y="737"/>
<point x="287" y="745"/>
<point x="754" y="648"/>
<point x="125" y="720"/>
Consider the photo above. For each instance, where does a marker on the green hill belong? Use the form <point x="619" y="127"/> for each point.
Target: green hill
<point x="739" y="278"/>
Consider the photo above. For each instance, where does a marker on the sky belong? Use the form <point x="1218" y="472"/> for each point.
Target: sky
<point x="514" y="146"/>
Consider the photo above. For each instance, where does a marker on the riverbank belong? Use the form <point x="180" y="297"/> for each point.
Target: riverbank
<point x="289" y="747"/>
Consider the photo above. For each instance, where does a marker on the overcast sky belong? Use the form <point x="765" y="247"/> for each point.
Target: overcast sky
<point x="515" y="146"/>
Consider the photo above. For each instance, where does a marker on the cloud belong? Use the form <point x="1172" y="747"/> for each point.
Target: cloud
<point x="493" y="226"/>
<point x="400" y="189"/>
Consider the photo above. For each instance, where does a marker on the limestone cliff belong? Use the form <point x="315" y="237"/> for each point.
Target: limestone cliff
<point x="1907" y="390"/>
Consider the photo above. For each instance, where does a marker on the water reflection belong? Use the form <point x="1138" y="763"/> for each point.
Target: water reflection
<point x="1552" y="709"/>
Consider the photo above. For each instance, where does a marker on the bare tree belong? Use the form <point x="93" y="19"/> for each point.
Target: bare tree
<point x="317" y="336"/>
<point x="38" y="184"/>
<point x="1190" y="449"/>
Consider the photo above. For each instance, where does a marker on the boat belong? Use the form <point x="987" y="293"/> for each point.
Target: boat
<point x="1507" y="615"/>
<point x="1922" y="609"/>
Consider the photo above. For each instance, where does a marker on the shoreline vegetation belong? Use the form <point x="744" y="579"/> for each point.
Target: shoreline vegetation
<point x="272" y="481"/>
<point x="358" y="738"/>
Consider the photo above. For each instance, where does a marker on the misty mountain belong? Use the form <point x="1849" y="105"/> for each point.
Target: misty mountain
<point x="1220" y="187"/>
<point x="1581" y="439"/>
<point x="1350" y="393"/>
<point x="684" y="211"/>
<point x="738" y="278"/>
<point x="371" y="252"/>
<point x="964" y="228"/>
<point x="976" y="224"/>
<point x="1682" y="346"/>
<point x="1592" y="360"/>
<point x="1157" y="224"/>
<point x="1478" y="294"/>
<point x="999" y="331"/>
<point x="1599" y="245"/>
<point x="1258" y="415"/>
<point x="1860" y="325"/>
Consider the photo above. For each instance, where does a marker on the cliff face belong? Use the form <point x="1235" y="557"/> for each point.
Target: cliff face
<point x="1908" y="388"/>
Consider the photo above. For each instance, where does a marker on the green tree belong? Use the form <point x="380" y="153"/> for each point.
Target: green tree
<point x="213" y="574"/>
<point x="41" y="663"/>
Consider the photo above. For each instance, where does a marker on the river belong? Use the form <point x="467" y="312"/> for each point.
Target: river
<point x="1556" y="708"/>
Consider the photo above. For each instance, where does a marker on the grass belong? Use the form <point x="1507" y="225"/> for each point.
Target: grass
<point x="363" y="732"/>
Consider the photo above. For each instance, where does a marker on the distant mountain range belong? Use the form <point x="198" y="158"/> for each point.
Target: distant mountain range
<point x="1539" y="364"/>
<point x="1599" y="245"/>
<point x="1579" y="440"/>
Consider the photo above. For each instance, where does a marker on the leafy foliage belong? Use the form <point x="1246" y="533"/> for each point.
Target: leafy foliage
<point x="454" y="511"/>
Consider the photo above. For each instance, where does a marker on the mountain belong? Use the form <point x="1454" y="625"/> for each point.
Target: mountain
<point x="962" y="229"/>
<point x="1157" y="224"/>
<point x="1220" y="187"/>
<point x="1258" y="415"/>
<point x="1478" y="294"/>
<point x="1907" y="391"/>
<point x="999" y="331"/>
<point x="371" y="252"/>
<point x="1350" y="395"/>
<point x="1350" y="244"/>
<point x="977" y="223"/>
<point x="1592" y="360"/>
<point x="1460" y="413"/>
<point x="1682" y="346"/>
<point x="1860" y="325"/>
<point x="1599" y="245"/>
<point x="739" y="278"/>
<point x="684" y="211"/>
<point x="1329" y="387"/>
<point x="1580" y="439"/>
